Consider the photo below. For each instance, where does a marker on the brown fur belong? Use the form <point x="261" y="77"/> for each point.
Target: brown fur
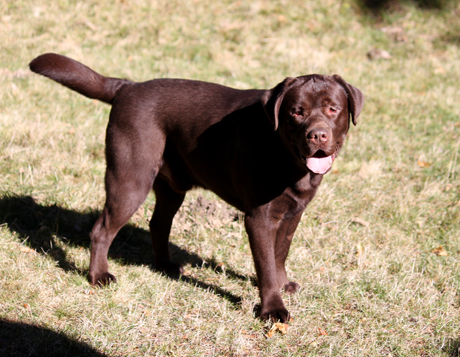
<point x="247" y="146"/>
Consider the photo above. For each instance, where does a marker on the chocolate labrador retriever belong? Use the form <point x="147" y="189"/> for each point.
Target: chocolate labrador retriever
<point x="262" y="151"/>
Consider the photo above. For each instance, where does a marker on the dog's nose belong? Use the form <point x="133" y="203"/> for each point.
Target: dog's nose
<point x="318" y="136"/>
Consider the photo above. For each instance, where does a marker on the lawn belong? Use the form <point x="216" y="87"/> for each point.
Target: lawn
<point x="377" y="252"/>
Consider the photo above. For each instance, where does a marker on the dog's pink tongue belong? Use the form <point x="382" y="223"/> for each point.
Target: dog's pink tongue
<point x="320" y="165"/>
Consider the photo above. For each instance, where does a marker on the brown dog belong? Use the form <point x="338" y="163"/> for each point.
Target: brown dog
<point x="262" y="151"/>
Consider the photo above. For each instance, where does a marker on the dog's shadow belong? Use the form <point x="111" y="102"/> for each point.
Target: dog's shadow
<point x="24" y="340"/>
<point x="37" y="226"/>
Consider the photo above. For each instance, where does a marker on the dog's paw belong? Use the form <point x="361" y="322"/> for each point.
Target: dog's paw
<point x="170" y="268"/>
<point x="291" y="287"/>
<point x="101" y="279"/>
<point x="280" y="314"/>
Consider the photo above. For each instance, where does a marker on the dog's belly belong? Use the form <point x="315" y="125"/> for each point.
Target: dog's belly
<point x="180" y="183"/>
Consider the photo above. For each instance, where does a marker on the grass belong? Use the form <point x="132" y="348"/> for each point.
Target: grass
<point x="372" y="284"/>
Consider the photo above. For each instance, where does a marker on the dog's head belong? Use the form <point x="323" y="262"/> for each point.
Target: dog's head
<point x="312" y="114"/>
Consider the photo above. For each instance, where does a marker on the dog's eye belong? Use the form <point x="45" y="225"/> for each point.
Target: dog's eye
<point x="333" y="110"/>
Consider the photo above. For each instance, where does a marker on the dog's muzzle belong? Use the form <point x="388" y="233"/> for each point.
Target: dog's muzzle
<point x="320" y="165"/>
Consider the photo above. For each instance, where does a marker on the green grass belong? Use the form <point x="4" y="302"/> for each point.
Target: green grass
<point x="363" y="252"/>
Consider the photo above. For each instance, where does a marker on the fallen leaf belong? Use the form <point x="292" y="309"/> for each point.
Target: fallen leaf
<point x="248" y="334"/>
<point x="278" y="326"/>
<point x="397" y="33"/>
<point x="440" y="70"/>
<point x="440" y="251"/>
<point x="322" y="332"/>
<point x="378" y="53"/>
<point x="360" y="221"/>
<point x="359" y="250"/>
<point x="423" y="163"/>
<point x="282" y="327"/>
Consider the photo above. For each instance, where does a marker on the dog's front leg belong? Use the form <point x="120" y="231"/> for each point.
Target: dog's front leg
<point x="284" y="237"/>
<point x="262" y="231"/>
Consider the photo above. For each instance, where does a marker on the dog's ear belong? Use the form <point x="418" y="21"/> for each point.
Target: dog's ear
<point x="355" y="98"/>
<point x="273" y="98"/>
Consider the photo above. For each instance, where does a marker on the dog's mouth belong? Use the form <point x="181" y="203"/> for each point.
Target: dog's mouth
<point x="320" y="163"/>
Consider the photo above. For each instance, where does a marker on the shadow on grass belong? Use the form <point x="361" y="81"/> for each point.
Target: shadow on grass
<point x="38" y="226"/>
<point x="376" y="7"/>
<point x="20" y="339"/>
<point x="453" y="348"/>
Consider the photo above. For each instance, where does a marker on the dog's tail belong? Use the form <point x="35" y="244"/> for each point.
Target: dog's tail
<point x="77" y="76"/>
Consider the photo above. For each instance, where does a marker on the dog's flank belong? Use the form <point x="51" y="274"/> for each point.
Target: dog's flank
<point x="263" y="151"/>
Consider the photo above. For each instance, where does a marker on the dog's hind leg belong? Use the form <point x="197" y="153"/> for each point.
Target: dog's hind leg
<point x="130" y="174"/>
<point x="167" y="204"/>
<point x="121" y="203"/>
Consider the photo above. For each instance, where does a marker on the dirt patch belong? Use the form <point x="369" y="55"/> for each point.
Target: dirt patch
<point x="202" y="211"/>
